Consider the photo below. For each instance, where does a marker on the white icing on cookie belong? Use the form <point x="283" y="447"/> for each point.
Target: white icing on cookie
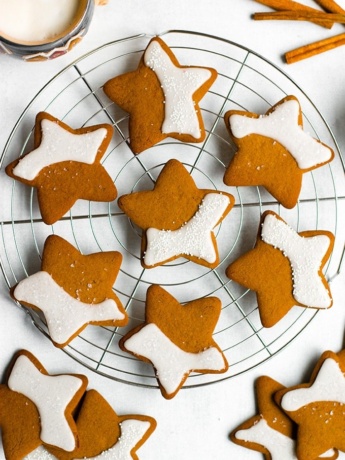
<point x="64" y="314"/>
<point x="179" y="85"/>
<point x="132" y="431"/>
<point x="59" y="145"/>
<point x="193" y="239"/>
<point x="171" y="363"/>
<point x="280" y="447"/>
<point x="51" y="395"/>
<point x="40" y="454"/>
<point x="282" y="125"/>
<point x="329" y="385"/>
<point x="305" y="255"/>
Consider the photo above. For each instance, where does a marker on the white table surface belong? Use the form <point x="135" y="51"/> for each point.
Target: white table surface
<point x="197" y="422"/>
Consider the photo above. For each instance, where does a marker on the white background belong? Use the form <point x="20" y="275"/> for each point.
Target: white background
<point x="197" y="422"/>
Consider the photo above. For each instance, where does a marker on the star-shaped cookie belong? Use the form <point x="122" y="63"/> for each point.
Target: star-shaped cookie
<point x="176" y="339"/>
<point x="285" y="268"/>
<point x="271" y="432"/>
<point x="273" y="150"/>
<point x="104" y="435"/>
<point x="318" y="407"/>
<point x="65" y="166"/>
<point x="73" y="290"/>
<point x="162" y="97"/>
<point x="54" y="396"/>
<point x="177" y="218"/>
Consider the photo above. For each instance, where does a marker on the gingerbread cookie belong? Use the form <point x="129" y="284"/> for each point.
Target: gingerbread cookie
<point x="176" y="339"/>
<point x="55" y="398"/>
<point x="37" y="413"/>
<point x="162" y="98"/>
<point x="73" y="290"/>
<point x="19" y="420"/>
<point x="105" y="435"/>
<point x="318" y="407"/>
<point x="177" y="218"/>
<point x="271" y="432"/>
<point x="285" y="268"/>
<point x="273" y="150"/>
<point x="65" y="166"/>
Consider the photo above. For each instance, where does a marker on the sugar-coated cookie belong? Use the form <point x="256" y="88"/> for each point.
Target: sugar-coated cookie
<point x="53" y="417"/>
<point x="285" y="268"/>
<point x="177" y="218"/>
<point x="54" y="396"/>
<point x="318" y="407"/>
<point x="105" y="435"/>
<point x="162" y="97"/>
<point x="271" y="432"/>
<point x="273" y="150"/>
<point x="176" y="339"/>
<point x="73" y="290"/>
<point x="65" y="166"/>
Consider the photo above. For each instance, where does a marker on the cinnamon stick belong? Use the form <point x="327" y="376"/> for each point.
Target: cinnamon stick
<point x="331" y="6"/>
<point x="299" y="15"/>
<point x="286" y="5"/>
<point x="291" y="5"/>
<point x="315" y="48"/>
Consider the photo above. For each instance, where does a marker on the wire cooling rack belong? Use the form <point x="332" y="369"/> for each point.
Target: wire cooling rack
<point x="246" y="81"/>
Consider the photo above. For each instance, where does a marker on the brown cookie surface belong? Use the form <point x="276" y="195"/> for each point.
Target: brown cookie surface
<point x="162" y="98"/>
<point x="65" y="166"/>
<point x="174" y="202"/>
<point x="274" y="267"/>
<point x="318" y="407"/>
<point x="20" y="424"/>
<point x="73" y="290"/>
<point x="54" y="396"/>
<point x="100" y="432"/>
<point x="261" y="432"/>
<point x="273" y="151"/>
<point x="177" y="339"/>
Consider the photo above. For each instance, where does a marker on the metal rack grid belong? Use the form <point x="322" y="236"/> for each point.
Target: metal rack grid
<point x="246" y="81"/>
